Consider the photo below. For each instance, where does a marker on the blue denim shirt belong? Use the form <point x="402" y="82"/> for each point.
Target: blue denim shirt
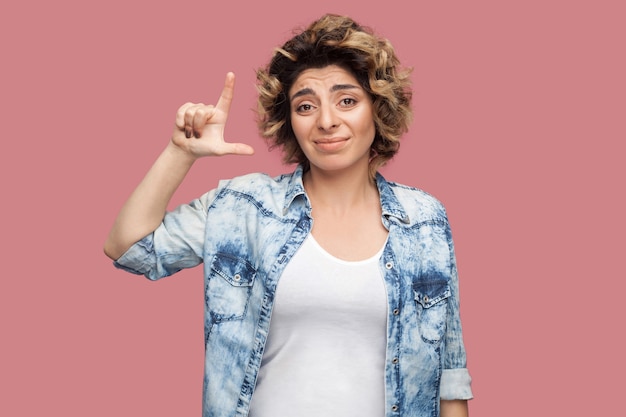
<point x="245" y="232"/>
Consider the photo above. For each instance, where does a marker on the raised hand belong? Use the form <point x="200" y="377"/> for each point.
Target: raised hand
<point x="200" y="127"/>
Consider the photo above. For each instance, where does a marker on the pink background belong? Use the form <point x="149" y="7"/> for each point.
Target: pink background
<point x="520" y="124"/>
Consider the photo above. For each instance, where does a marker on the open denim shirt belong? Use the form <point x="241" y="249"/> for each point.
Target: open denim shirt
<point x="245" y="232"/>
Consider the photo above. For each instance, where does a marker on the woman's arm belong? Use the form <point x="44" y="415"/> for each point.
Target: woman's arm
<point x="454" y="408"/>
<point x="142" y="213"/>
<point x="199" y="132"/>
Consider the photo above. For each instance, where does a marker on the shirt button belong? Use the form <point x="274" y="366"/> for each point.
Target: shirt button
<point x="396" y="311"/>
<point x="237" y="277"/>
<point x="394" y="408"/>
<point x="389" y="265"/>
<point x="394" y="360"/>
<point x="425" y="298"/>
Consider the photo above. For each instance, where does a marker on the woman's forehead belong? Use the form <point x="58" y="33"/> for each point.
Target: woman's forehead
<point x="331" y="77"/>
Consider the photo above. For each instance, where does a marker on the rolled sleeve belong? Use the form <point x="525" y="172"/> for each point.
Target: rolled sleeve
<point x="455" y="378"/>
<point x="176" y="244"/>
<point x="456" y="384"/>
<point x="137" y="259"/>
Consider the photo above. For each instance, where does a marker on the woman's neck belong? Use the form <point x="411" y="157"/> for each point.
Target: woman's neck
<point x="346" y="213"/>
<point x="339" y="191"/>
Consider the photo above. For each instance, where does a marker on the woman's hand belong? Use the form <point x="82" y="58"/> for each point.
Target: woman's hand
<point x="199" y="132"/>
<point x="200" y="127"/>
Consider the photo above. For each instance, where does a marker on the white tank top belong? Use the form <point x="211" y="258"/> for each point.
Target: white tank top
<point x="325" y="353"/>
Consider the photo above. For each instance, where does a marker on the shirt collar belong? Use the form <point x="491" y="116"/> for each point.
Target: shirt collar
<point x="390" y="205"/>
<point x="295" y="188"/>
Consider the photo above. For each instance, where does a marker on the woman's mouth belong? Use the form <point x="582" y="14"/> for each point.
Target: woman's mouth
<point x="330" y="144"/>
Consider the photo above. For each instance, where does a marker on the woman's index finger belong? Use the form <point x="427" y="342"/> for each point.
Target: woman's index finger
<point x="227" y="93"/>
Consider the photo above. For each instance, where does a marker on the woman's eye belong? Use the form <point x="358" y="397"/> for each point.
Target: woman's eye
<point x="304" y="107"/>
<point x="347" y="102"/>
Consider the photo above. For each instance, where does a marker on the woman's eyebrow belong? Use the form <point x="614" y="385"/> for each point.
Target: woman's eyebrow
<point x="336" y="87"/>
<point x="303" y="92"/>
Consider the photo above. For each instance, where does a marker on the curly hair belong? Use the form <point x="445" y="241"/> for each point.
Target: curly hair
<point x="336" y="40"/>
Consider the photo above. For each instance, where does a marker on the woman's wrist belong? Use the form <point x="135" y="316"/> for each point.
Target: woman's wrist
<point x="180" y="155"/>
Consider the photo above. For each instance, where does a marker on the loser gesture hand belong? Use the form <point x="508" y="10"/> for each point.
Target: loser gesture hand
<point x="200" y="127"/>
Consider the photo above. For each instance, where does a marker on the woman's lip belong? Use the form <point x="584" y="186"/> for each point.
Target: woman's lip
<point x="329" y="140"/>
<point x="330" y="144"/>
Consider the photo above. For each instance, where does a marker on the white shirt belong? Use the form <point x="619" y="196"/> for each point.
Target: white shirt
<point x="325" y="353"/>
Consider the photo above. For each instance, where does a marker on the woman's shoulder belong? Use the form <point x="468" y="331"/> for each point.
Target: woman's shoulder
<point x="413" y="192"/>
<point x="257" y="184"/>
<point x="414" y="199"/>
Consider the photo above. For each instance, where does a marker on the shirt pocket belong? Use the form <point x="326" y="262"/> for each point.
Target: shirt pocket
<point x="431" y="298"/>
<point x="229" y="286"/>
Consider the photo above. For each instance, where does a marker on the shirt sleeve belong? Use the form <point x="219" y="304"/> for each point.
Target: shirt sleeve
<point x="177" y="243"/>
<point x="455" y="378"/>
<point x="456" y="384"/>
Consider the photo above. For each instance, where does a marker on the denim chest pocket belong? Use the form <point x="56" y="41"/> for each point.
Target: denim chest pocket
<point x="431" y="302"/>
<point x="228" y="287"/>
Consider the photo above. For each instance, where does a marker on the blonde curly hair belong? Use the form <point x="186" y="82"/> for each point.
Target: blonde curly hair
<point x="336" y="40"/>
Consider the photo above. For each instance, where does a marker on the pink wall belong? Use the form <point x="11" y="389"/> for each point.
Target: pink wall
<point x="519" y="130"/>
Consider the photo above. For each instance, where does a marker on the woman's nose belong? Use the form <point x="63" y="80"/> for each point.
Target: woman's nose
<point x="327" y="118"/>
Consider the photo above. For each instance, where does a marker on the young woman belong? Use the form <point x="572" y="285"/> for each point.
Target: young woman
<point x="357" y="274"/>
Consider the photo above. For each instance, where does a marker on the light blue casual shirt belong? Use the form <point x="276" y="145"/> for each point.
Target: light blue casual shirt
<point x="246" y="231"/>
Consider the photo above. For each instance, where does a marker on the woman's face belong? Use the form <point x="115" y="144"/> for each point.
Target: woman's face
<point x="332" y="118"/>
